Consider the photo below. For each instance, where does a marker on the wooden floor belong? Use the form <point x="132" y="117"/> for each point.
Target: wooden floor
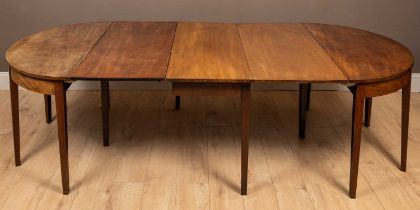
<point x="190" y="159"/>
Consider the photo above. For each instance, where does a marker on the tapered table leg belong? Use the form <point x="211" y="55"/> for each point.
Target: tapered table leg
<point x="47" y="103"/>
<point x="177" y="102"/>
<point x="368" y="111"/>
<point x="105" y="111"/>
<point x="14" y="99"/>
<point x="60" y="96"/>
<point x="303" y="96"/>
<point x="356" y="135"/>
<point x="404" y="123"/>
<point x="308" y="96"/>
<point x="245" y="109"/>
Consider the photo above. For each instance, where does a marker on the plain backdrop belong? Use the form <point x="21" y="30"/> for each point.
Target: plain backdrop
<point x="397" y="19"/>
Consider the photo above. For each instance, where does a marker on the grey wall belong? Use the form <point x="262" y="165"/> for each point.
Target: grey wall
<point x="397" y="19"/>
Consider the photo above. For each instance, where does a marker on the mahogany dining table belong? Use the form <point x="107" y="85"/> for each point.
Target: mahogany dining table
<point x="211" y="59"/>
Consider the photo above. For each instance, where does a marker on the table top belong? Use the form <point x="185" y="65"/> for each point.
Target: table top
<point x="129" y="50"/>
<point x="362" y="55"/>
<point x="286" y="52"/>
<point x="209" y="52"/>
<point x="54" y="53"/>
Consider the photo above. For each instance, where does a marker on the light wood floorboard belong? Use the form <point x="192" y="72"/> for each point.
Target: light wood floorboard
<point x="160" y="158"/>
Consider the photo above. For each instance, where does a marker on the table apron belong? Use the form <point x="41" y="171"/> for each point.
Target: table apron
<point x="383" y="88"/>
<point x="36" y="85"/>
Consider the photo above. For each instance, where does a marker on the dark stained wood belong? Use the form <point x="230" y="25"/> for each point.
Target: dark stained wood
<point x="47" y="104"/>
<point x="105" y="111"/>
<point x="286" y="52"/>
<point x="60" y="101"/>
<point x="356" y="135"/>
<point x="130" y="50"/>
<point x="53" y="53"/>
<point x="14" y="99"/>
<point x="177" y="102"/>
<point x="207" y="52"/>
<point x="361" y="55"/>
<point x="197" y="88"/>
<point x="369" y="90"/>
<point x="368" y="111"/>
<point x="405" y="114"/>
<point x="303" y="104"/>
<point x="308" y="99"/>
<point x="245" y="110"/>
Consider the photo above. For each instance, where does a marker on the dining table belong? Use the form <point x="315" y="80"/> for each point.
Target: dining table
<point x="200" y="58"/>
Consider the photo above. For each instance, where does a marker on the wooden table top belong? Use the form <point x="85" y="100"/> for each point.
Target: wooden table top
<point x="129" y="50"/>
<point x="54" y="53"/>
<point x="362" y="55"/>
<point x="209" y="52"/>
<point x="286" y="52"/>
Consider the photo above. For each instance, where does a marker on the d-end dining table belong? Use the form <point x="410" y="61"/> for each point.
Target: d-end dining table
<point x="210" y="59"/>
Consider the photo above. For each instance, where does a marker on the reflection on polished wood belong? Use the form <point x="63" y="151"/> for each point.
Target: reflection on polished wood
<point x="181" y="160"/>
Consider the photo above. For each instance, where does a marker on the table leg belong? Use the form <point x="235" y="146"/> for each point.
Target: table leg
<point x="14" y="99"/>
<point x="47" y="102"/>
<point x="105" y="111"/>
<point x="368" y="111"/>
<point x="358" y="99"/>
<point x="404" y="123"/>
<point x="60" y="96"/>
<point x="177" y="102"/>
<point x="308" y="96"/>
<point x="303" y="96"/>
<point x="245" y="109"/>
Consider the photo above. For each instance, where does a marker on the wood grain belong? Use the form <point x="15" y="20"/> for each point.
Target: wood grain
<point x="53" y="53"/>
<point x="14" y="102"/>
<point x="385" y="87"/>
<point x="207" y="52"/>
<point x="61" y="110"/>
<point x="361" y="55"/>
<point x="33" y="84"/>
<point x="286" y="52"/>
<point x="319" y="165"/>
<point x="130" y="50"/>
